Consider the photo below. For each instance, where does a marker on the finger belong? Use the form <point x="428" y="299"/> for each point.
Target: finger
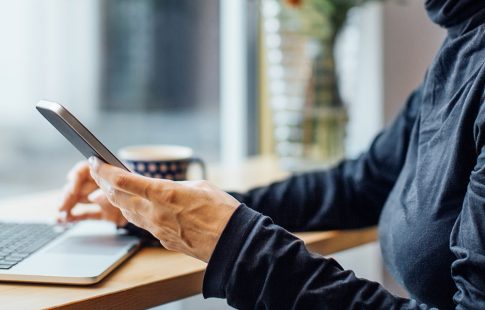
<point x="125" y="201"/>
<point x="122" y="180"/>
<point x="78" y="175"/>
<point x="86" y="190"/>
<point x="98" y="197"/>
<point x="71" y="199"/>
<point x="136" y="219"/>
<point x="79" y="183"/>
<point x="116" y="198"/>
<point x="110" y="212"/>
<point x="85" y="216"/>
<point x="79" y="169"/>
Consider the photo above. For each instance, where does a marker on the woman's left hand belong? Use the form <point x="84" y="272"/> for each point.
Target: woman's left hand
<point x="187" y="216"/>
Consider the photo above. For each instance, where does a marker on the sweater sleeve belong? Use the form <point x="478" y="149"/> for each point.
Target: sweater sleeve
<point x="467" y="241"/>
<point x="259" y="265"/>
<point x="351" y="195"/>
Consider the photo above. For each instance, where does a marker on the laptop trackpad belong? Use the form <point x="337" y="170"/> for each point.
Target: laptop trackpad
<point x="89" y="245"/>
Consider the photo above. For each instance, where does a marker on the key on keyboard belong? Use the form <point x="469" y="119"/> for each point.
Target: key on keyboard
<point x="19" y="240"/>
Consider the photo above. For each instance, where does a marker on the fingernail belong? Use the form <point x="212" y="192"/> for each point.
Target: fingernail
<point x="92" y="161"/>
<point x="61" y="217"/>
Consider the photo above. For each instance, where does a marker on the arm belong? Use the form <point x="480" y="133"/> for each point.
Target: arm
<point x="254" y="257"/>
<point x="467" y="240"/>
<point x="350" y="195"/>
<point x="259" y="265"/>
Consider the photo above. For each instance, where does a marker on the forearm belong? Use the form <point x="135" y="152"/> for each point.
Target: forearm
<point x="257" y="264"/>
<point x="349" y="195"/>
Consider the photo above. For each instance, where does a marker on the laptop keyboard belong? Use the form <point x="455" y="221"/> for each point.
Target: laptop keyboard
<point x="19" y="240"/>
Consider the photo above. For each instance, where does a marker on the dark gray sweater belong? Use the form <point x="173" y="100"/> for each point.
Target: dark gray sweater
<point x="422" y="181"/>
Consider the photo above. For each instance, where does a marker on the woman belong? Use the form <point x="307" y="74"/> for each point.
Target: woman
<point x="422" y="181"/>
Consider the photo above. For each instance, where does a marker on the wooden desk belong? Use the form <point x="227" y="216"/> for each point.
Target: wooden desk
<point x="153" y="276"/>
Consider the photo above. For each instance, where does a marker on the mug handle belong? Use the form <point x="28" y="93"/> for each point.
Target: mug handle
<point x="200" y="162"/>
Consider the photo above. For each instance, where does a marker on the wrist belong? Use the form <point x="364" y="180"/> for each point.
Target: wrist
<point x="222" y="223"/>
<point x="227" y="249"/>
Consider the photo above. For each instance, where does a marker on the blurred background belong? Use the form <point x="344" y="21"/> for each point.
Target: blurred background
<point x="206" y="74"/>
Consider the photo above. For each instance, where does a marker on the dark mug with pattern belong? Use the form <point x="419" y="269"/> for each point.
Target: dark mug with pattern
<point x="161" y="161"/>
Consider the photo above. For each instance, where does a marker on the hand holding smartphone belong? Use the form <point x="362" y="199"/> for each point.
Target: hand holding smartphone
<point x="76" y="133"/>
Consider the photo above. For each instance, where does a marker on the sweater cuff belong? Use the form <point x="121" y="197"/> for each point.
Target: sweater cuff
<point x="227" y="250"/>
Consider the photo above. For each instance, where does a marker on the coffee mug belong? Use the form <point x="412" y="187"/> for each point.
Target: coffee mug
<point x="161" y="161"/>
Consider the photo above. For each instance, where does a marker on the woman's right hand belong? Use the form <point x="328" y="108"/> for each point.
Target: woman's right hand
<point x="81" y="188"/>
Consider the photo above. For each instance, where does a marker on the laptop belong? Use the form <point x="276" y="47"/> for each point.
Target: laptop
<point x="82" y="253"/>
<point x="77" y="254"/>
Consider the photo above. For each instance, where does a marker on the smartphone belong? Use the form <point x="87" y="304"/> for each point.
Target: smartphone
<point x="76" y="133"/>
